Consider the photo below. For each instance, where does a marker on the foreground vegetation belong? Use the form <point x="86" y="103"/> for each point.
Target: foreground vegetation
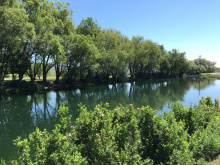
<point x="127" y="135"/>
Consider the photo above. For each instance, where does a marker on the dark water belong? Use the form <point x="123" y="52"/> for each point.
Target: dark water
<point x="20" y="115"/>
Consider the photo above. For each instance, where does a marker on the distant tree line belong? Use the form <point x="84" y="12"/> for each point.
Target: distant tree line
<point x="38" y="35"/>
<point x="201" y="66"/>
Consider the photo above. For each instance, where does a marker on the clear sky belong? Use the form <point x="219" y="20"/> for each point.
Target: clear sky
<point x="191" y="26"/>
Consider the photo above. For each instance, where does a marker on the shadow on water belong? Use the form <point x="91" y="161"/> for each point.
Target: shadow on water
<point x="20" y="115"/>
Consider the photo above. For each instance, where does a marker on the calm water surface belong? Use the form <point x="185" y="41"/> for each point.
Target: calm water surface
<point x="20" y="115"/>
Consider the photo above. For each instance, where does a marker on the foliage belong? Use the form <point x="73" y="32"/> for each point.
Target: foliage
<point x="81" y="61"/>
<point x="201" y="65"/>
<point x="127" y="135"/>
<point x="178" y="63"/>
<point x="40" y="35"/>
<point x="114" y="50"/>
<point x="88" y="27"/>
<point x="15" y="29"/>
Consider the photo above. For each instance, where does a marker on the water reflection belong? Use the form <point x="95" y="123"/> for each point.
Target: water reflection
<point x="20" y="115"/>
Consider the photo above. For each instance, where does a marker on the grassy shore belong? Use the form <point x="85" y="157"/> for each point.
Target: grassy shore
<point x="211" y="75"/>
<point x="51" y="76"/>
<point x="216" y="161"/>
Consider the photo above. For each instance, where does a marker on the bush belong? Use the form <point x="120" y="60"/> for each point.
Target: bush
<point x="126" y="135"/>
<point x="110" y="137"/>
<point x="58" y="147"/>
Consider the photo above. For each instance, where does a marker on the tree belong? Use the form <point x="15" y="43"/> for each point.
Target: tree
<point x="144" y="58"/>
<point x="178" y="63"/>
<point x="205" y="65"/>
<point x="88" y="27"/>
<point x="15" y="31"/>
<point x="193" y="68"/>
<point x="81" y="60"/>
<point x="52" y="22"/>
<point x="164" y="66"/>
<point x="154" y="55"/>
<point x="114" y="49"/>
<point x="64" y="28"/>
<point x="133" y="58"/>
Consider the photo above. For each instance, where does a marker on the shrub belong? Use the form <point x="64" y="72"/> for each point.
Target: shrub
<point x="217" y="103"/>
<point x="58" y="147"/>
<point x="126" y="135"/>
<point x="110" y="137"/>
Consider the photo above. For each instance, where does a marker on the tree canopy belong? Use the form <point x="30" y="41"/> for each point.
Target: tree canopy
<point x="39" y="35"/>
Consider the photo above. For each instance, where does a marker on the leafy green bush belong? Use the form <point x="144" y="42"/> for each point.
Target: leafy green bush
<point x="206" y="143"/>
<point x="110" y="137"/>
<point x="126" y="135"/>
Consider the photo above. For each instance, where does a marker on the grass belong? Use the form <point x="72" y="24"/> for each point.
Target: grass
<point x="211" y="75"/>
<point x="51" y="76"/>
<point x="216" y="161"/>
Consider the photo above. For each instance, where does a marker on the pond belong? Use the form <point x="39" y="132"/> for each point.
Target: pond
<point x="20" y="115"/>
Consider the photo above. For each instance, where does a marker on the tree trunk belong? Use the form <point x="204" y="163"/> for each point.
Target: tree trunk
<point x="114" y="76"/>
<point x="131" y="73"/>
<point x="32" y="79"/>
<point x="44" y="73"/>
<point x="13" y="76"/>
<point x="20" y="76"/>
<point x="57" y="74"/>
<point x="44" y="77"/>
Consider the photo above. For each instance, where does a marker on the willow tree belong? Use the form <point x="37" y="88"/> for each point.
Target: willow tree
<point x="15" y="32"/>
<point x="114" y="49"/>
<point x="154" y="55"/>
<point x="64" y="28"/>
<point x="134" y="55"/>
<point x="178" y="63"/>
<point x="82" y="59"/>
<point x="50" y="20"/>
<point x="204" y="65"/>
<point x="89" y="27"/>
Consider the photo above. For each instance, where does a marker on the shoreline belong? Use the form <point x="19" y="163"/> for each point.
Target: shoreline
<point x="26" y="87"/>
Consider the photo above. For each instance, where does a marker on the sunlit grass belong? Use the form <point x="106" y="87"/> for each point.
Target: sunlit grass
<point x="51" y="76"/>
<point x="216" y="161"/>
<point x="211" y="75"/>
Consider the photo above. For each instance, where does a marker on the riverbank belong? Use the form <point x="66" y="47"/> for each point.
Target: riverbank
<point x="211" y="75"/>
<point x="10" y="87"/>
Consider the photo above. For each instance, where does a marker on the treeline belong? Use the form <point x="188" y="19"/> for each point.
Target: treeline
<point x="39" y="35"/>
<point x="201" y="66"/>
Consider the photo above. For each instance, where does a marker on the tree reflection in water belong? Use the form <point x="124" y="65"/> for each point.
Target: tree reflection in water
<point x="20" y="115"/>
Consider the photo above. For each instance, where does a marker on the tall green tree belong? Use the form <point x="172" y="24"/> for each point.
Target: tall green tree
<point x="14" y="34"/>
<point x="114" y="49"/>
<point x="178" y="63"/>
<point x="205" y="65"/>
<point x="81" y="60"/>
<point x="52" y="21"/>
<point x="164" y="66"/>
<point x="64" y="28"/>
<point x="154" y="55"/>
<point x="144" y="59"/>
<point x="134" y="55"/>
<point x="89" y="27"/>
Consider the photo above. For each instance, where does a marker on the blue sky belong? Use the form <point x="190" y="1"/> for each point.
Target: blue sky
<point x="191" y="26"/>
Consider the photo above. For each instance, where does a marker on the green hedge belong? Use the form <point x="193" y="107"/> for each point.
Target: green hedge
<point x="127" y="135"/>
